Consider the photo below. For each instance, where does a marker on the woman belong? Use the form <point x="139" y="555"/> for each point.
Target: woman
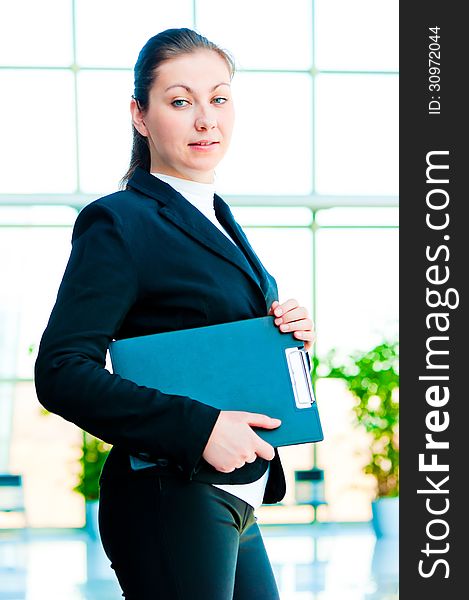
<point x="165" y="253"/>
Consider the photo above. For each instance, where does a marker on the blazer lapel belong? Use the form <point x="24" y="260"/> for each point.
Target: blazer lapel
<point x="188" y="218"/>
<point x="226" y="218"/>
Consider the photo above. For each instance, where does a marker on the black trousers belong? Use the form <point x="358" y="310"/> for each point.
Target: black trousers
<point x="173" y="539"/>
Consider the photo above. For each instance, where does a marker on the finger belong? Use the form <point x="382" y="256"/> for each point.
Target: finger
<point x="297" y="327"/>
<point x="295" y="314"/>
<point x="305" y="334"/>
<point x="301" y="325"/>
<point x="306" y="337"/>
<point x="259" y="420"/>
<point x="285" y="307"/>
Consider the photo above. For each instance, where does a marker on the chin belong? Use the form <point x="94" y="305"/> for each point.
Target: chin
<point x="204" y="166"/>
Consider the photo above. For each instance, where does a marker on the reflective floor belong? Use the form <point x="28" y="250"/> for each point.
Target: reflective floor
<point x="311" y="562"/>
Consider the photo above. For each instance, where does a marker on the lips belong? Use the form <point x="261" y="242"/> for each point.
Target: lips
<point x="203" y="143"/>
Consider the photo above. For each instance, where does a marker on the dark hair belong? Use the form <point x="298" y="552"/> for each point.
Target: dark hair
<point x="163" y="46"/>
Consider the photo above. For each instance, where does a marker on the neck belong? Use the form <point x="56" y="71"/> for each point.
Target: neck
<point x="203" y="191"/>
<point x="191" y="175"/>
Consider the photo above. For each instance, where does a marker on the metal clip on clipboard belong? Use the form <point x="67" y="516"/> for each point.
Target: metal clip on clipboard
<point x="297" y="362"/>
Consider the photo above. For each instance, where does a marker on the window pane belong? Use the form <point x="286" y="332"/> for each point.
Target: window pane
<point x="270" y="149"/>
<point x="250" y="216"/>
<point x="46" y="450"/>
<point x="288" y="256"/>
<point x="341" y="454"/>
<point x="36" y="33"/>
<point x="348" y="217"/>
<point x="356" y="133"/>
<point x="357" y="307"/>
<point x="36" y="215"/>
<point x="357" y="283"/>
<point x="40" y="128"/>
<point x="362" y="35"/>
<point x="266" y="34"/>
<point x="110" y="33"/>
<point x="33" y="263"/>
<point x="105" y="128"/>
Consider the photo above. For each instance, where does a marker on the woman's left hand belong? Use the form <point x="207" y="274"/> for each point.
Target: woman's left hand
<point x="291" y="317"/>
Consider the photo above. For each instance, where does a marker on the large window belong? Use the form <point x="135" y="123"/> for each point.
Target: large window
<point x="311" y="175"/>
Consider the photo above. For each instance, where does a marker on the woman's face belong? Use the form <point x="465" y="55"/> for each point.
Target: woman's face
<point x="190" y="101"/>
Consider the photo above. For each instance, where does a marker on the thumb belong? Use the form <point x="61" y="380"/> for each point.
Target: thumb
<point x="260" y="420"/>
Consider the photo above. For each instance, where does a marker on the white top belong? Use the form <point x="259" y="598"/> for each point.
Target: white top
<point x="198" y="194"/>
<point x="201" y="196"/>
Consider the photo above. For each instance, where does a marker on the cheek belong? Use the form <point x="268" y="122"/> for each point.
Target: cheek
<point x="167" y="132"/>
<point x="228" y="122"/>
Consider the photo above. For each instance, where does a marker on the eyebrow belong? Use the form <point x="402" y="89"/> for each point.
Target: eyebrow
<point x="186" y="87"/>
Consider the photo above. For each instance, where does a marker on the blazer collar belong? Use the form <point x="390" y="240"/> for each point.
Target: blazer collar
<point x="184" y="215"/>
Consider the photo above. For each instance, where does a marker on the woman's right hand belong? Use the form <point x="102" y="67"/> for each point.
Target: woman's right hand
<point x="233" y="443"/>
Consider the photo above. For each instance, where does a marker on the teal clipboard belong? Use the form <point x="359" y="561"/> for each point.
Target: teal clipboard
<point x="246" y="365"/>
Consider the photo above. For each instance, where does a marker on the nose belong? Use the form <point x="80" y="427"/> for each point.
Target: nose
<point x="205" y="120"/>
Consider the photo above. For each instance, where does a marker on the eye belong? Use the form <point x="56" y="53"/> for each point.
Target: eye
<point x="220" y="98"/>
<point x="178" y="100"/>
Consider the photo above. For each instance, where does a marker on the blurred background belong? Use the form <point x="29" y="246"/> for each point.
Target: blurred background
<point x="316" y="139"/>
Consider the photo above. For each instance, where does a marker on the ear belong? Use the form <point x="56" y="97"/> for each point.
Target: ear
<point x="137" y="118"/>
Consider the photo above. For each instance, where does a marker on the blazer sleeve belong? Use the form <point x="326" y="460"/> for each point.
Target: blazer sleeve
<point x="99" y="286"/>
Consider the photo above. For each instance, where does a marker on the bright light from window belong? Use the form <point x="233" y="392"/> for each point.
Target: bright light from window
<point x="37" y="132"/>
<point x="356" y="133"/>
<point x="271" y="147"/>
<point x="357" y="288"/>
<point x="110" y="33"/>
<point x="265" y="34"/>
<point x="105" y="129"/>
<point x="35" y="33"/>
<point x="362" y="35"/>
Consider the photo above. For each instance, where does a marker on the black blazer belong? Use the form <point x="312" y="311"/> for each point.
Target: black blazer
<point x="145" y="260"/>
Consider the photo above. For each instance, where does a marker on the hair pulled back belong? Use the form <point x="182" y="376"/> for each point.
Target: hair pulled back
<point x="163" y="46"/>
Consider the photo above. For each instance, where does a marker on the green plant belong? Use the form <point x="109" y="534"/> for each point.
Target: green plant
<point x="94" y="453"/>
<point x="373" y="379"/>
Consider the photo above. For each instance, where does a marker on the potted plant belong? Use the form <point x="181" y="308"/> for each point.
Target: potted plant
<point x="373" y="379"/>
<point x="94" y="453"/>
